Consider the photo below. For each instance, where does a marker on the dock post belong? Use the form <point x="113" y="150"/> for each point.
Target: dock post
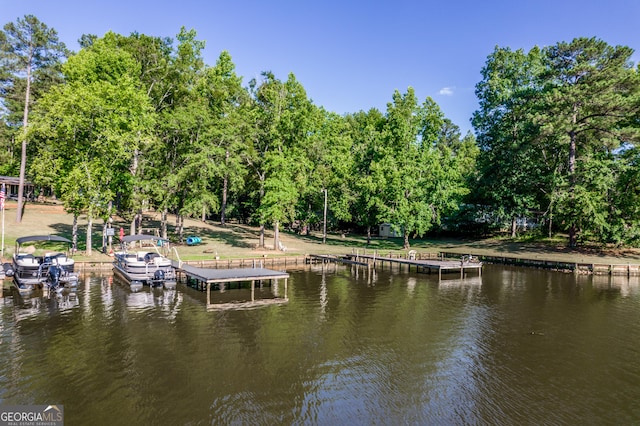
<point x="253" y="290"/>
<point x="208" y="294"/>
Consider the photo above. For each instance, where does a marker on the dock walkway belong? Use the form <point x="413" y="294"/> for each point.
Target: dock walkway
<point x="329" y="258"/>
<point x="429" y="265"/>
<point x="424" y="265"/>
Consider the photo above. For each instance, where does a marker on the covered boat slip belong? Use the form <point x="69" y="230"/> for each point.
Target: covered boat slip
<point x="206" y="277"/>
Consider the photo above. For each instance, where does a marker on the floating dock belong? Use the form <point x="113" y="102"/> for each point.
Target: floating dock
<point x="206" y="277"/>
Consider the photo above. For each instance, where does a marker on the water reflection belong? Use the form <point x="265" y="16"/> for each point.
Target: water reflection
<point x="352" y="346"/>
<point x="626" y="286"/>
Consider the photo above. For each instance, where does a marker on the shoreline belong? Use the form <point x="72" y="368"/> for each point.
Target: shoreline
<point x="236" y="242"/>
<point x="594" y="268"/>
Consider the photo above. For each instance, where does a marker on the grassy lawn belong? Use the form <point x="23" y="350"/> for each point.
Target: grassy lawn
<point x="240" y="241"/>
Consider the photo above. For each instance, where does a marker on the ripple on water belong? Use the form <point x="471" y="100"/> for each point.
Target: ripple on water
<point x="392" y="348"/>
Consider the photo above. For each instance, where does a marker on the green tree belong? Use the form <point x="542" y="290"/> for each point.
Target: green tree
<point x="589" y="98"/>
<point x="227" y="103"/>
<point x="329" y="169"/>
<point x="160" y="79"/>
<point x="410" y="164"/>
<point x="624" y="227"/>
<point x="29" y="50"/>
<point x="90" y="127"/>
<point x="513" y="168"/>
<point x="275" y="150"/>
<point x="169" y="74"/>
<point x="366" y="129"/>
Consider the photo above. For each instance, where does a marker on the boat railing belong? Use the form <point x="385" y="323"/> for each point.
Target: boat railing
<point x="178" y="257"/>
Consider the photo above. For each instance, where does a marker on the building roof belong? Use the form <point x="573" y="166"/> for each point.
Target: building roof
<point x="10" y="180"/>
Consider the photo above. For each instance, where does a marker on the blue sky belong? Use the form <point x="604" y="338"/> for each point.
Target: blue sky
<point x="352" y="55"/>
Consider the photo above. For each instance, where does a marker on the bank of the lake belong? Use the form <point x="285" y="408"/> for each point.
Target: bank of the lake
<point x="236" y="241"/>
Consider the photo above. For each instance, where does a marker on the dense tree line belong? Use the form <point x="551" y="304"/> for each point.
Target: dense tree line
<point x="557" y="128"/>
<point x="131" y="123"/>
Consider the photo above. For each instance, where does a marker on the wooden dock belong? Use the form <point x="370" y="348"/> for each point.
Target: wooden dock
<point x="628" y="269"/>
<point x="204" y="278"/>
<point x="331" y="258"/>
<point x="427" y="266"/>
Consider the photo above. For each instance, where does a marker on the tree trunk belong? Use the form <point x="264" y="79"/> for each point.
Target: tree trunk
<point x="572" y="177"/>
<point x="89" y="250"/>
<point x="406" y="241"/>
<point x="139" y="221"/>
<point x="204" y="213"/>
<point x="573" y="235"/>
<point x="514" y="226"/>
<point x="104" y="237"/>
<point x="23" y="155"/>
<point x="74" y="234"/>
<point x="223" y="205"/>
<point x="368" y="234"/>
<point x="132" y="225"/>
<point x="262" y="178"/>
<point x="276" y="236"/>
<point x="180" y="227"/>
<point x="23" y="166"/>
<point x="134" y="172"/>
<point x="225" y="184"/>
<point x="163" y="224"/>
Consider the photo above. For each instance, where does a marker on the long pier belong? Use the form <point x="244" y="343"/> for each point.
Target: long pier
<point x="464" y="265"/>
<point x="628" y="269"/>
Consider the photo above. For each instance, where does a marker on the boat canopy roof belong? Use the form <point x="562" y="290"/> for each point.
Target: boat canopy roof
<point x="142" y="237"/>
<point x="34" y="238"/>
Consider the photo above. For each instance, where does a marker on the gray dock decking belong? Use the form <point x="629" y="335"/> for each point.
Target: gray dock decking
<point x="210" y="276"/>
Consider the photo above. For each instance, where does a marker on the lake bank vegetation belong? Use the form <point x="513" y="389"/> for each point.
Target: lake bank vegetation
<point x="138" y="123"/>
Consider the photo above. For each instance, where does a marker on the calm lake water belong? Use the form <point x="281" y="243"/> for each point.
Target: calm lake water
<point x="515" y="346"/>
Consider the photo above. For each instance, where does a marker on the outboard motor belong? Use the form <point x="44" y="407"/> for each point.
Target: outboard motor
<point x="54" y="276"/>
<point x="158" y="276"/>
<point x="8" y="269"/>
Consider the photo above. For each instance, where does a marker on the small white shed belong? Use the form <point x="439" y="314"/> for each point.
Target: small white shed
<point x="386" y="230"/>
